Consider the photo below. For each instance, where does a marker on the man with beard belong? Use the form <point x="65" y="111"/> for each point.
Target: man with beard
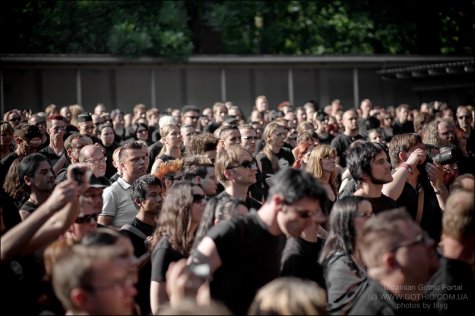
<point x="244" y="253"/>
<point x="37" y="178"/>
<point x="369" y="166"/>
<point x="118" y="208"/>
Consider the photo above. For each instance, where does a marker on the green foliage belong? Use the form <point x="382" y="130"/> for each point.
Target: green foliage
<point x="169" y="28"/>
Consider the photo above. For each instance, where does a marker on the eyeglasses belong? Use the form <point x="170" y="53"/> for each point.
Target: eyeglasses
<point x="97" y="161"/>
<point x="193" y="117"/>
<point x="172" y="178"/>
<point x="465" y="117"/>
<point x="86" y="218"/>
<point x="421" y="238"/>
<point x="198" y="198"/>
<point x="363" y="214"/>
<point x="246" y="164"/>
<point x="40" y="124"/>
<point x="329" y="158"/>
<point x="251" y="138"/>
<point x="15" y="119"/>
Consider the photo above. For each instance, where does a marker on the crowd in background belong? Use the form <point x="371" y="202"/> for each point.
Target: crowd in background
<point x="291" y="210"/>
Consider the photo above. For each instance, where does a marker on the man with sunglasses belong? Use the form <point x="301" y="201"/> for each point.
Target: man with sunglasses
<point x="465" y="122"/>
<point x="249" y="140"/>
<point x="244" y="253"/>
<point x="236" y="171"/>
<point x="400" y="259"/>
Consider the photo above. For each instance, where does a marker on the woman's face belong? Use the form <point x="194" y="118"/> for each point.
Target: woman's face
<point x="328" y="162"/>
<point x="198" y="205"/>
<point x="364" y="212"/>
<point x="107" y="136"/>
<point x="173" y="138"/>
<point x="277" y="137"/>
<point x="142" y="133"/>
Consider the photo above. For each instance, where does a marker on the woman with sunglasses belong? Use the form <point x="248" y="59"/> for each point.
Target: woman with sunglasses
<point x="181" y="214"/>
<point x="344" y="271"/>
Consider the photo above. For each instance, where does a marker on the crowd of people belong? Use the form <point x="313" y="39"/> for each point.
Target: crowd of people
<point x="294" y="210"/>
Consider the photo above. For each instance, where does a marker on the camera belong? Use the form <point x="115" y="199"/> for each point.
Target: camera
<point x="446" y="156"/>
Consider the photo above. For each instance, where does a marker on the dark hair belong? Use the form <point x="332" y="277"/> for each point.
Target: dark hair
<point x="138" y="190"/>
<point x="196" y="171"/>
<point x="342" y="234"/>
<point x="190" y="108"/>
<point x="135" y="128"/>
<point x="101" y="237"/>
<point x="295" y="184"/>
<point x="174" y="220"/>
<point x="359" y="158"/>
<point x="28" y="166"/>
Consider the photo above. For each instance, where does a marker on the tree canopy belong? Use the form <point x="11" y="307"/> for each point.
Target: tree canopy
<point x="177" y="29"/>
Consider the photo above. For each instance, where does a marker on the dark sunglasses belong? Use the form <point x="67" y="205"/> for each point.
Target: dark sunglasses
<point x="15" y="119"/>
<point x="198" y="198"/>
<point x="246" y="164"/>
<point x="466" y="117"/>
<point x="86" y="218"/>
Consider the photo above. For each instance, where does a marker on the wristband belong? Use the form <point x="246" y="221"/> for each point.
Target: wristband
<point x="440" y="190"/>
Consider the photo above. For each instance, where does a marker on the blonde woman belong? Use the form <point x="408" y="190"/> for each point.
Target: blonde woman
<point x="172" y="141"/>
<point x="273" y="156"/>
<point x="321" y="164"/>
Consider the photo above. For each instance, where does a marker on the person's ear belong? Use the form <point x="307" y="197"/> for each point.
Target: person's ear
<point x="390" y="262"/>
<point x="138" y="202"/>
<point x="403" y="156"/>
<point x="78" y="297"/>
<point x="18" y="140"/>
<point x="28" y="180"/>
<point x="228" y="174"/>
<point x="278" y="200"/>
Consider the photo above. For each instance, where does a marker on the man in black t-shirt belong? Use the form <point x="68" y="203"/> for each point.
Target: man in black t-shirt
<point x="369" y="166"/>
<point x="244" y="253"/>
<point x="343" y="141"/>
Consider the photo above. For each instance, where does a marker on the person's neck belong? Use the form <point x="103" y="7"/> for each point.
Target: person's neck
<point x="267" y="215"/>
<point x="128" y="178"/>
<point x="349" y="132"/>
<point x="146" y="217"/>
<point x="237" y="191"/>
<point x="310" y="234"/>
<point x="39" y="197"/>
<point x="57" y="146"/>
<point x="397" y="285"/>
<point x="275" y="149"/>
<point x="370" y="190"/>
<point x="172" y="151"/>
<point x="455" y="249"/>
<point x="325" y="179"/>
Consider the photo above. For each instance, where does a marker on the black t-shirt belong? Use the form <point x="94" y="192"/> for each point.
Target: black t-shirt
<point x="51" y="155"/>
<point x="300" y="259"/>
<point x="5" y="165"/>
<point x="403" y="128"/>
<point x="341" y="143"/>
<point x="250" y="257"/>
<point x="432" y="215"/>
<point x="145" y="273"/>
<point x="162" y="256"/>
<point x="286" y="160"/>
<point x="451" y="290"/>
<point x="382" y="203"/>
<point x="29" y="207"/>
<point x="250" y="203"/>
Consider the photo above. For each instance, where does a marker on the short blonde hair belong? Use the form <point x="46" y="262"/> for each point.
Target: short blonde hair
<point x="289" y="296"/>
